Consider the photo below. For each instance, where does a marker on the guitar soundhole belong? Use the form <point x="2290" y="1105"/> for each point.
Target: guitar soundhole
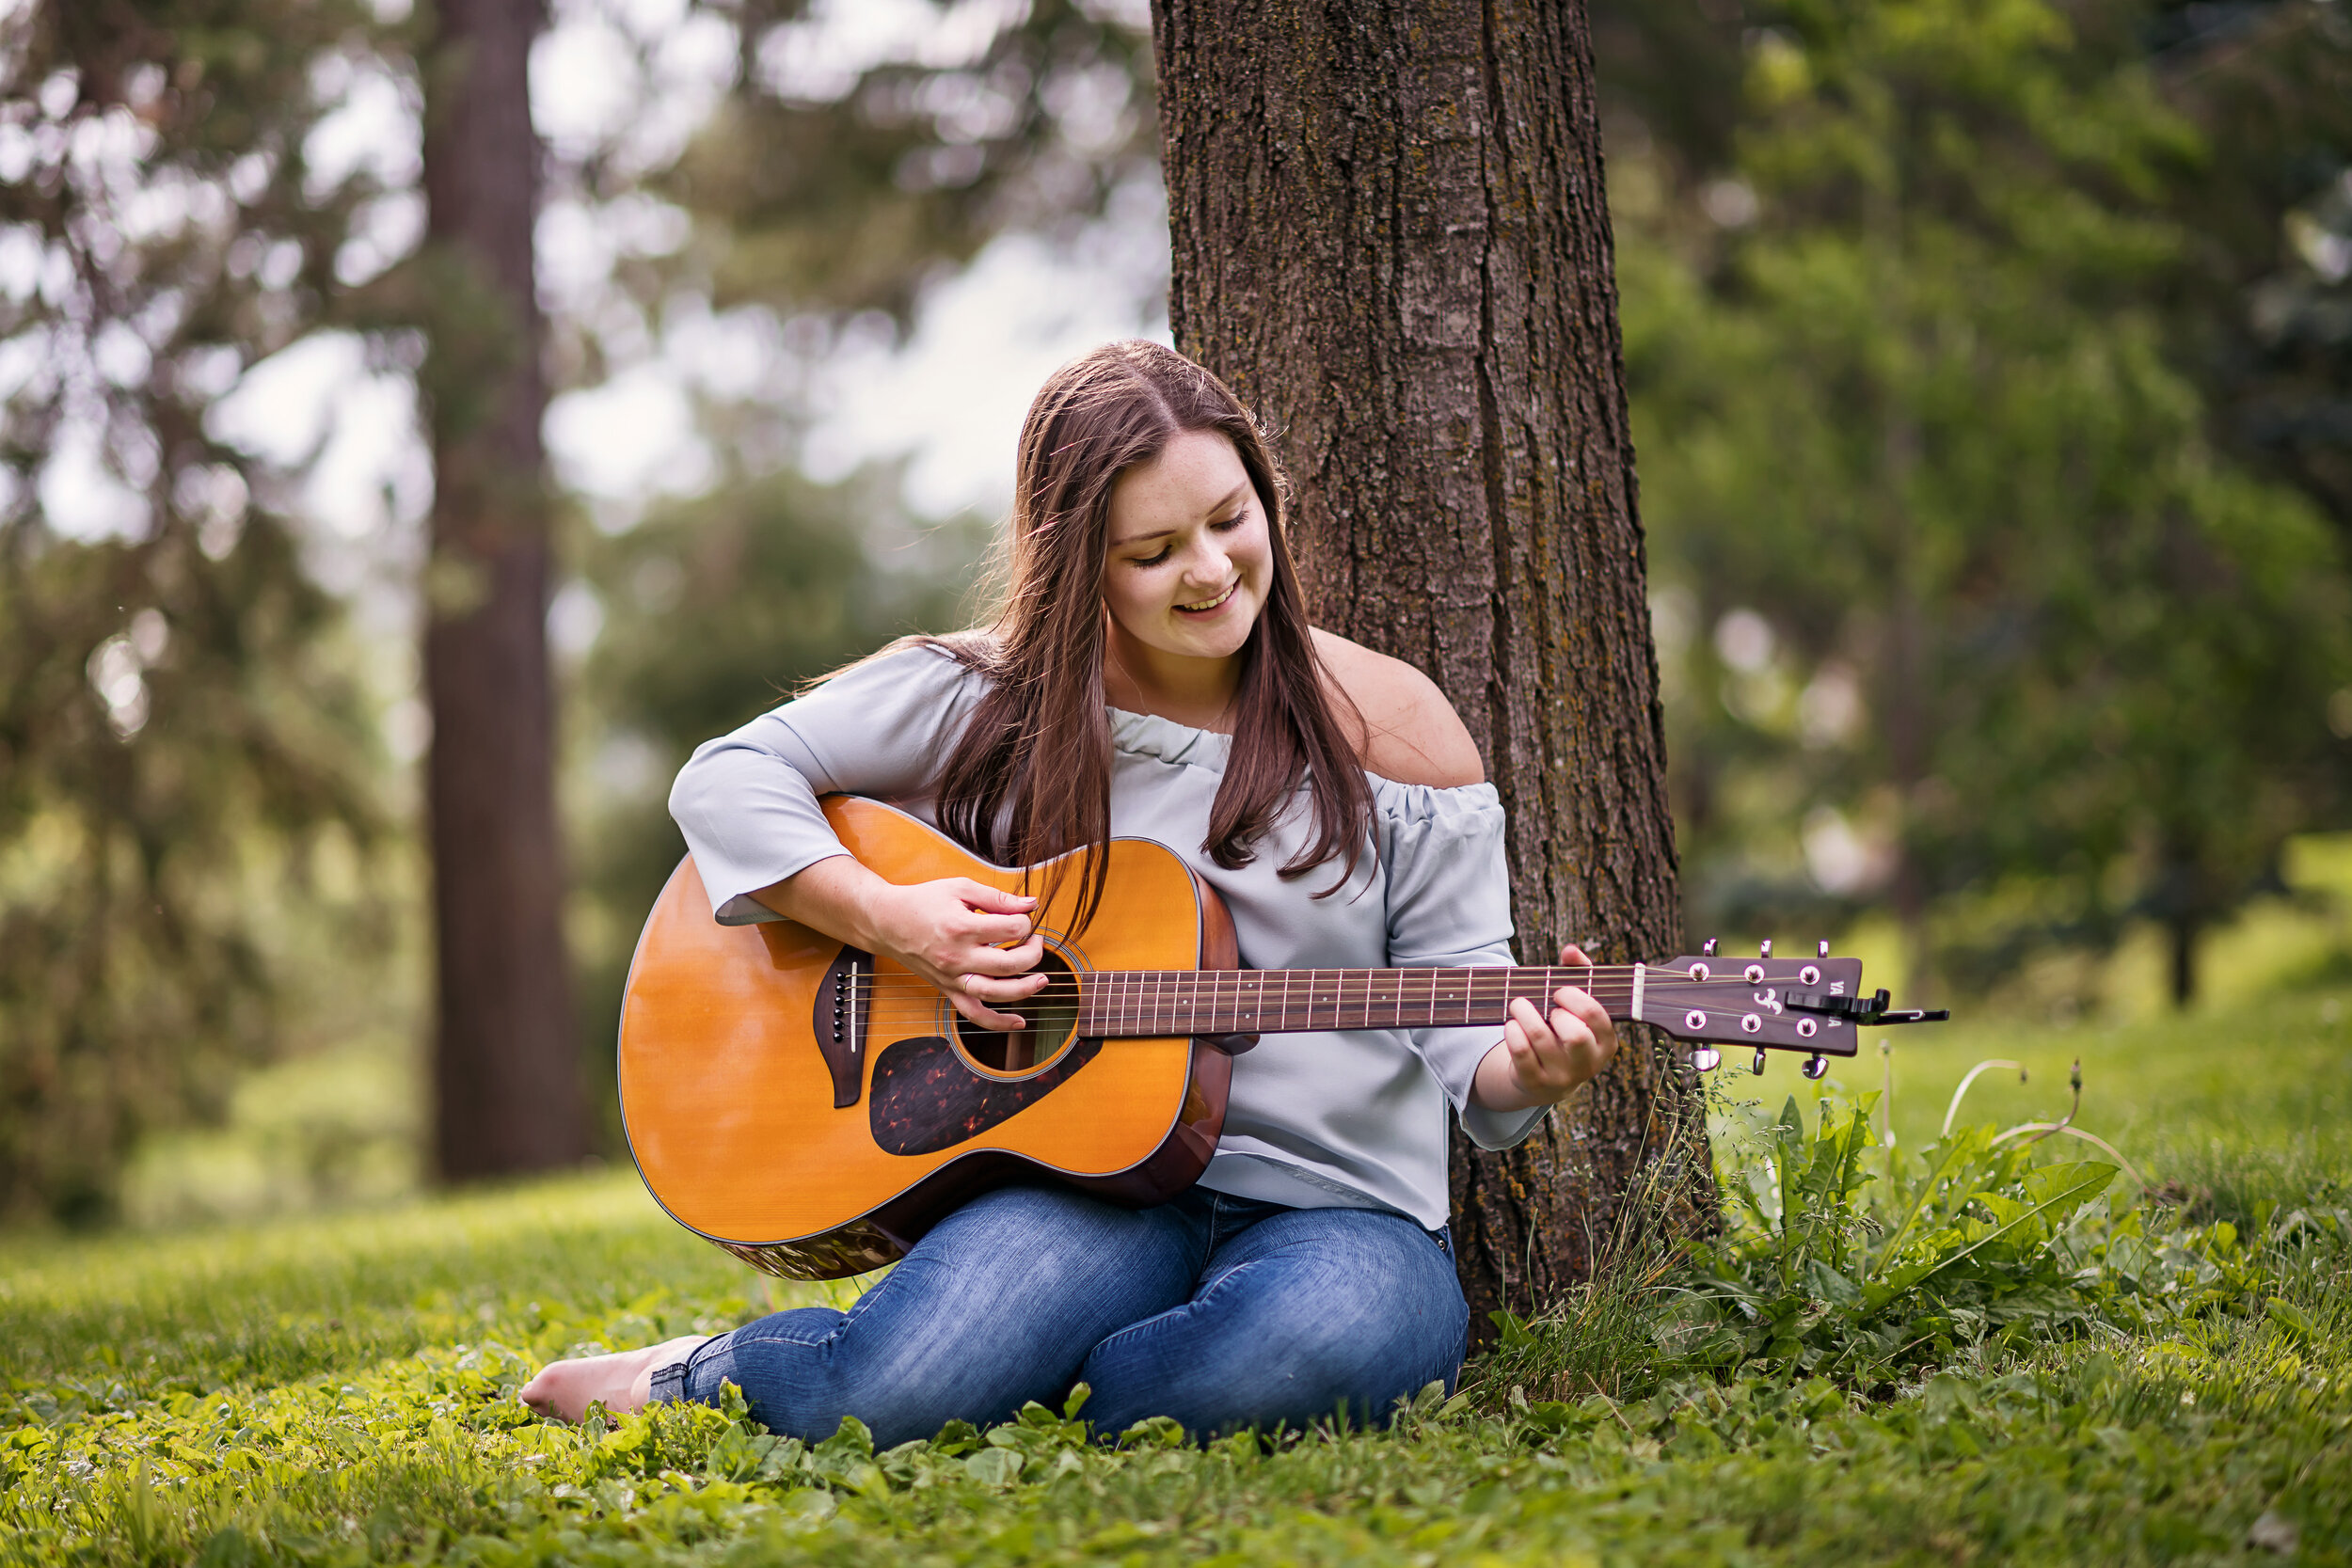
<point x="1053" y="1015"/>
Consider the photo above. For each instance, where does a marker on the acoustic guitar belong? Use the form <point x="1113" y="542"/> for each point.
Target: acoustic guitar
<point x="814" y="1109"/>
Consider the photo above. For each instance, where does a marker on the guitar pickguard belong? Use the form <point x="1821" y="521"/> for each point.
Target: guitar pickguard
<point x="924" y="1099"/>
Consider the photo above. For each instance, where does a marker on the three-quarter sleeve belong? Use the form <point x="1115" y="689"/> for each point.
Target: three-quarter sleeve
<point x="747" y="801"/>
<point x="1450" y="907"/>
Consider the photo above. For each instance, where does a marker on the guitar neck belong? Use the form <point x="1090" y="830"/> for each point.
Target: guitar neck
<point x="1129" y="1003"/>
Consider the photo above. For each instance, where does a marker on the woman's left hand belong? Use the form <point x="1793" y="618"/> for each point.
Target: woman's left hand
<point x="1547" y="1053"/>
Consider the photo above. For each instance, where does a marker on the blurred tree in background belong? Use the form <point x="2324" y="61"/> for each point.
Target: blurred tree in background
<point x="185" y="775"/>
<point x="1972" y="610"/>
<point x="506" y="1081"/>
<point x="827" y="182"/>
<point x="2266" y="315"/>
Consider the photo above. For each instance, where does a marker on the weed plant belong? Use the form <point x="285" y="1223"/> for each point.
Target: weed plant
<point x="1984" y="1349"/>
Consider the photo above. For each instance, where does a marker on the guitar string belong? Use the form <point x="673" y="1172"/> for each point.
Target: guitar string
<point x="1623" y="971"/>
<point x="1239" y="1006"/>
<point x="1727" y="1035"/>
<point x="1734" y="976"/>
<point x="1239" y="997"/>
<point x="1346" y="1015"/>
<point x="1232" y="984"/>
<point x="913" y="1007"/>
<point x="1218" y="979"/>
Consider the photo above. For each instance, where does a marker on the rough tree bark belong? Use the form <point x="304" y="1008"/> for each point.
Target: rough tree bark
<point x="1391" y="237"/>
<point x="507" y="1079"/>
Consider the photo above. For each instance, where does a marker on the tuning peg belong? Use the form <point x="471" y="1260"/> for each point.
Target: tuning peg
<point x="1707" y="948"/>
<point x="1816" y="1065"/>
<point x="1706" y="1059"/>
<point x="1822" y="949"/>
<point x="1756" y="1067"/>
<point x="1767" y="947"/>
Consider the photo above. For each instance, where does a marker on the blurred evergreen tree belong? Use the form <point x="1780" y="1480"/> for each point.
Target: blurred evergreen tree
<point x="1670" y="74"/>
<point x="1964" y="587"/>
<point x="842" y="185"/>
<point x="180" y="737"/>
<point x="2267" y="311"/>
<point x="850" y="162"/>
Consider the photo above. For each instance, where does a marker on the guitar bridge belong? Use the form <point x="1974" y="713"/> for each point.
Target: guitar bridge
<point x="839" y="1022"/>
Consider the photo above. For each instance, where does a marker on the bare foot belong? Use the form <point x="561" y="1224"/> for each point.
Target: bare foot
<point x="624" y="1380"/>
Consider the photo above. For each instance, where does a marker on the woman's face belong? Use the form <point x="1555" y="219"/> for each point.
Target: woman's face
<point x="1191" y="559"/>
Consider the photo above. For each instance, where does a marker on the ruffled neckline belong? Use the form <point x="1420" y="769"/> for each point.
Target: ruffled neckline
<point x="1150" y="736"/>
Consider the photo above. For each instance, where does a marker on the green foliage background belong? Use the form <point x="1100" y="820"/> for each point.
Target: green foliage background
<point x="1962" y="575"/>
<point x="189" y="781"/>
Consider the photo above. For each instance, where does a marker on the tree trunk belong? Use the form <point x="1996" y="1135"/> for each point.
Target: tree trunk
<point x="2181" y="941"/>
<point x="506" y="1079"/>
<point x="1391" y="237"/>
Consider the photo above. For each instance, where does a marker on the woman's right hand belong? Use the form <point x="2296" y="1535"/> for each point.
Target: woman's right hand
<point x="974" y="942"/>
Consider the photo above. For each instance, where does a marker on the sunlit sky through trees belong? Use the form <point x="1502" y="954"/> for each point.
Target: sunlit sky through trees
<point x="629" y="81"/>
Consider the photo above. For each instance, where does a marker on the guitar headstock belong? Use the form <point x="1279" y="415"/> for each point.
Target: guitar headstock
<point x="1812" y="1005"/>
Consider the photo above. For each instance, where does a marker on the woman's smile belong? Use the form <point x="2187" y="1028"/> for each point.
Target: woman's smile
<point x="1209" y="607"/>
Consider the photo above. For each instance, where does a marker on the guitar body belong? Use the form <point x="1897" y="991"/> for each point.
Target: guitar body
<point x="757" y="1127"/>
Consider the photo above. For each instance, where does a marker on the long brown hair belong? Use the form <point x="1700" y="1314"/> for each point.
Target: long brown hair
<point x="1030" y="779"/>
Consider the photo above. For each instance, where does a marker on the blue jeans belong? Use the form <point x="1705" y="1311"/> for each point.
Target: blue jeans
<point x="1222" y="1312"/>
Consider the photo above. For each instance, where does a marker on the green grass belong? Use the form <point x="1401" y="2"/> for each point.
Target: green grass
<point x="2235" y="1108"/>
<point x="340" y="1390"/>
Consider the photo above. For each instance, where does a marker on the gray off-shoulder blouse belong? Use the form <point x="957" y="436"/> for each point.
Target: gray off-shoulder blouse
<point x="1353" y="1118"/>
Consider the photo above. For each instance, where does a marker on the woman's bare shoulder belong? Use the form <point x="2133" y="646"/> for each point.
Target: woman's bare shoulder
<point x="1409" y="732"/>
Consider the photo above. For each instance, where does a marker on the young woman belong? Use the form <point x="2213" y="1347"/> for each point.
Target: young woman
<point x="1152" y="673"/>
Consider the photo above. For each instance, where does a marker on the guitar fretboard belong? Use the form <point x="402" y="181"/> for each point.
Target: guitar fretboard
<point x="1273" y="1001"/>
